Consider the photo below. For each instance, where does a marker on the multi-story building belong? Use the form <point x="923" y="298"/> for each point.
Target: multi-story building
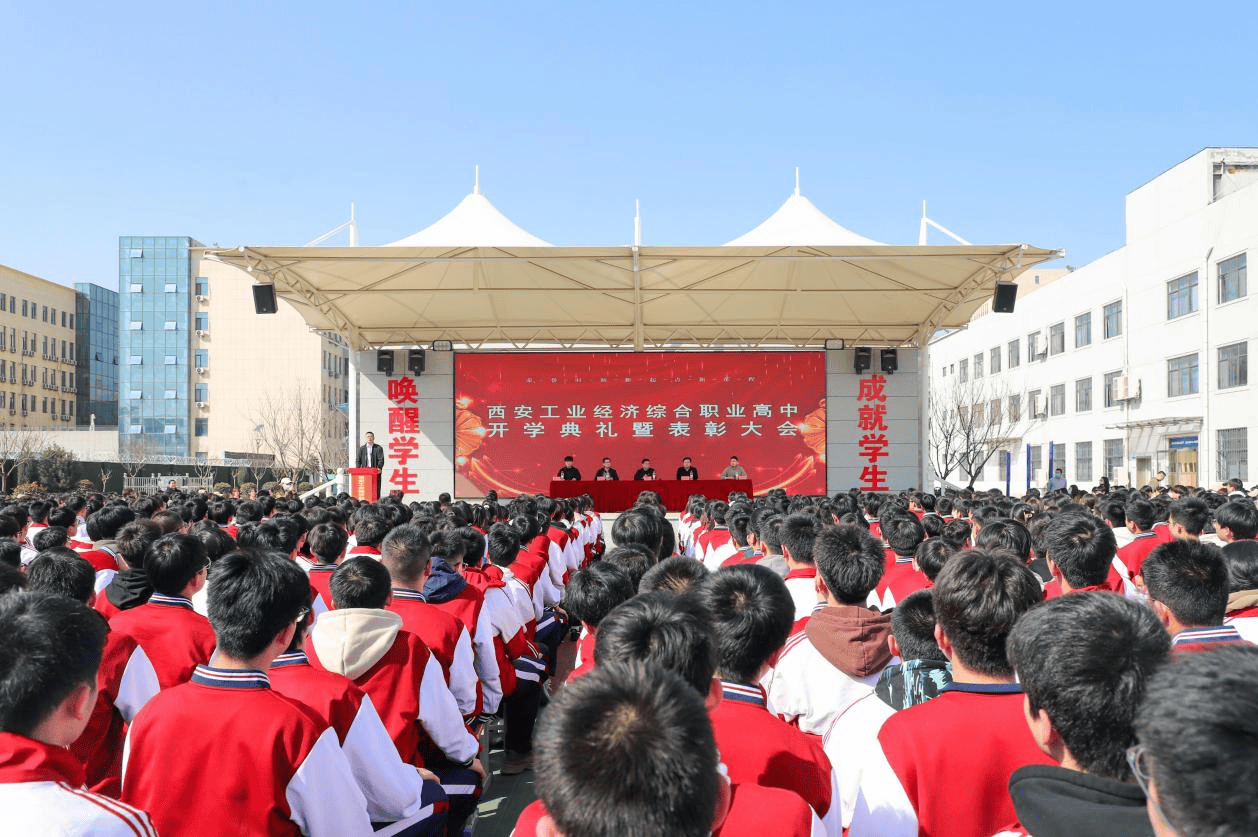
<point x="1134" y="363"/>
<point x="96" y="328"/>
<point x="202" y="375"/>
<point x="37" y="352"/>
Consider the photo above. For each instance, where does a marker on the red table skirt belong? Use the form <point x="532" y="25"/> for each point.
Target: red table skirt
<point x="619" y="495"/>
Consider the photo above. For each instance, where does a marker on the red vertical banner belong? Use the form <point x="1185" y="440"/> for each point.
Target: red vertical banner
<point x="403" y="434"/>
<point x="871" y="421"/>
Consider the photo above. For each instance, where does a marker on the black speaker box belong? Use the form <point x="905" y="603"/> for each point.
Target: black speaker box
<point x="384" y="361"/>
<point x="862" y="358"/>
<point x="1005" y="298"/>
<point x="264" y="299"/>
<point x="415" y="361"/>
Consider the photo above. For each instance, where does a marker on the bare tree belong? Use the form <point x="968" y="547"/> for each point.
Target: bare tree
<point x="298" y="430"/>
<point x="969" y="422"/>
<point x="19" y="446"/>
<point x="135" y="452"/>
<point x="105" y="474"/>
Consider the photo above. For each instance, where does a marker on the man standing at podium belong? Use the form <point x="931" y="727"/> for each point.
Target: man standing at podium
<point x="371" y="455"/>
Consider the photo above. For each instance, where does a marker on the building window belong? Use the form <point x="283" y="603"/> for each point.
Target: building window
<point x="135" y="325"/>
<point x="995" y="364"/>
<point x="171" y="360"/>
<point x="63" y="320"/>
<point x="1002" y="465"/>
<point x="169" y="429"/>
<point x="1037" y="459"/>
<point x="1015" y="353"/>
<point x="1112" y="314"/>
<point x="1015" y="408"/>
<point x="170" y="289"/>
<point x="1032" y="346"/>
<point x="45" y="320"/>
<point x="1111" y="383"/>
<point x="978" y="365"/>
<point x="1083" y="461"/>
<point x="1232" y="278"/>
<point x="993" y="412"/>
<point x="202" y="357"/>
<point x="1181" y="296"/>
<point x="1057" y="400"/>
<point x="1057" y="457"/>
<point x="1034" y="404"/>
<point x="23" y="308"/>
<point x="136" y="287"/>
<point x="202" y="427"/>
<point x="963" y="369"/>
<point x="203" y="321"/>
<point x="1233" y="365"/>
<point x="1181" y="375"/>
<point x="1113" y="458"/>
<point x="171" y="394"/>
<point x="136" y="393"/>
<point x="202" y="392"/>
<point x="170" y="325"/>
<point x="1234" y="454"/>
<point x="135" y="360"/>
<point x="203" y="286"/>
<point x="1083" y="395"/>
<point x="1083" y="330"/>
<point x="1057" y="338"/>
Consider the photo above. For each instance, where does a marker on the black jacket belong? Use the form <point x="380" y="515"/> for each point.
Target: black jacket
<point x="1052" y="801"/>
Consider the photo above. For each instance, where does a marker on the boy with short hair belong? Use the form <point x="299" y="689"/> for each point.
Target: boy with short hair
<point x="1187" y="582"/>
<point x="923" y="670"/>
<point x="287" y="775"/>
<point x="48" y="669"/>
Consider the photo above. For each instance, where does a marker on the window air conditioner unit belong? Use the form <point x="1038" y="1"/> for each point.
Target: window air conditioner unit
<point x="23" y="412"/>
<point x="1122" y="388"/>
<point x="202" y="404"/>
<point x="200" y="370"/>
<point x="202" y="298"/>
<point x="1038" y="406"/>
<point x="201" y="332"/>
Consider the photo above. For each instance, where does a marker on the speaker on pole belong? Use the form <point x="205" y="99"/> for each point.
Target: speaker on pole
<point x="384" y="361"/>
<point x="264" y="299"/>
<point x="1005" y="298"/>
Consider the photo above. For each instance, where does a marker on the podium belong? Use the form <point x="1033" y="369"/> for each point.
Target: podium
<point x="364" y="484"/>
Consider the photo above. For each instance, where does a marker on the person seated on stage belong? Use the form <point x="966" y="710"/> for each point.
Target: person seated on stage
<point x="607" y="472"/>
<point x="1195" y="759"/>
<point x="48" y="676"/>
<point x="687" y="471"/>
<point x="646" y="472"/>
<point x="224" y="745"/>
<point x="569" y="470"/>
<point x="1084" y="662"/>
<point x="734" y="471"/>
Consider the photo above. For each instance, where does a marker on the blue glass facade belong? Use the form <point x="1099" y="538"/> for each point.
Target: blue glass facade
<point x="154" y="312"/>
<point x="96" y="374"/>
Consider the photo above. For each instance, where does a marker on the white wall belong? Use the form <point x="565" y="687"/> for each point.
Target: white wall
<point x="904" y="415"/>
<point x="434" y="466"/>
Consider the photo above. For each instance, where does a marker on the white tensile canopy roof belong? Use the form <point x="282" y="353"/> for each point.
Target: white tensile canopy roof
<point x="475" y="278"/>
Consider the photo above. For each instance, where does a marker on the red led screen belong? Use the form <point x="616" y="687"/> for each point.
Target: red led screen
<point x="518" y="415"/>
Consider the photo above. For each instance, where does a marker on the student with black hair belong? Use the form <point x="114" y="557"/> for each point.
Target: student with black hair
<point x="713" y="537"/>
<point x="1141" y="515"/>
<point x="1241" y="558"/>
<point x="174" y="636"/>
<point x="224" y="746"/>
<point x="591" y="595"/>
<point x="769" y="534"/>
<point x="10" y="553"/>
<point x="943" y="766"/>
<point x="370" y="527"/>
<point x="633" y="559"/>
<point x="1081" y="553"/>
<point x="407" y="800"/>
<point x="130" y="586"/>
<point x="1084" y="662"/>
<point x="751" y="615"/>
<point x="930" y="557"/>
<point x="903" y="533"/>
<point x="101" y="550"/>
<point x="842" y="650"/>
<point x="1236" y="521"/>
<point x="741" y="536"/>
<point x="674" y="633"/>
<point x="673" y="575"/>
<point x="49" y="664"/>
<point x="798" y="533"/>
<point x="923" y="671"/>
<point x="327" y="543"/>
<point x="406" y="553"/>
<point x="361" y="640"/>
<point x="62" y="571"/>
<point x="1187" y="582"/>
<point x="1195" y="757"/>
<point x="1188" y="518"/>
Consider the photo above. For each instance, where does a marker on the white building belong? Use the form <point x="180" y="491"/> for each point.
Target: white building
<point x="1135" y="363"/>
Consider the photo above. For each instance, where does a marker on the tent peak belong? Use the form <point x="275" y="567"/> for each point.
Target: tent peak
<point x="476" y="183"/>
<point x="797" y="180"/>
<point x="798" y="222"/>
<point x="475" y="222"/>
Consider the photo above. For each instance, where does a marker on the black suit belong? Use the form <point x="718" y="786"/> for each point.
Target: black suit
<point x="372" y="456"/>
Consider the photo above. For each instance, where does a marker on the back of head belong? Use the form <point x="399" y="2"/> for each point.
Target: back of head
<point x="370" y="526"/>
<point x="173" y="561"/>
<point x="1082" y="547"/>
<point x="1006" y="534"/>
<point x="406" y="552"/>
<point x="327" y="542"/>
<point x="361" y="581"/>
<point x="1190" y="579"/>
<point x="1242" y="565"/>
<point x="977" y="601"/>
<point x="627" y="750"/>
<point x="52" y="644"/>
<point x="913" y="626"/>
<point x="661" y="630"/>
<point x="1192" y="513"/>
<point x="264" y="536"/>
<point x="1197" y="728"/>
<point x="1086" y="659"/>
<point x="752" y="613"/>
<point x="1240" y="516"/>
<point x="903" y="533"/>
<point x="1142" y="513"/>
<point x="956" y="533"/>
<point x="634" y="560"/>
<point x="931" y="555"/>
<point x="593" y="592"/>
<point x="50" y="537"/>
<point x="673" y="575"/>
<point x="62" y="571"/>
<point x="135" y="539"/>
<point x="638" y="526"/>
<point x="850" y="562"/>
<point x="255" y="596"/>
<point x="503" y="545"/>
<point x="10" y="553"/>
<point x="104" y="525"/>
<point x="798" y="533"/>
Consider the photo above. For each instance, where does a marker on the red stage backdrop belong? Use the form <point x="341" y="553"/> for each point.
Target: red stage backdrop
<point x="518" y="415"/>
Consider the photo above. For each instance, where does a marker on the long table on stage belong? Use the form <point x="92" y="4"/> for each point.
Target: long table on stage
<point x="619" y="495"/>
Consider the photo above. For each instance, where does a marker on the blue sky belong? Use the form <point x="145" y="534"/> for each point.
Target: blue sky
<point x="259" y="123"/>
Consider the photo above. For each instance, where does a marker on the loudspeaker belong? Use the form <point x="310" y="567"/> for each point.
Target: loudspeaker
<point x="384" y="361"/>
<point x="889" y="360"/>
<point x="264" y="299"/>
<point x="415" y="361"/>
<point x="862" y="358"/>
<point x="1006" y="296"/>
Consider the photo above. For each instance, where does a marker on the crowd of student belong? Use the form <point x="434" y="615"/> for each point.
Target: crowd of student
<point x="867" y="664"/>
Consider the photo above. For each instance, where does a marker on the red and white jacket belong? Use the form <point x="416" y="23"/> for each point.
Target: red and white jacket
<point x="174" y="636"/>
<point x="446" y="638"/>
